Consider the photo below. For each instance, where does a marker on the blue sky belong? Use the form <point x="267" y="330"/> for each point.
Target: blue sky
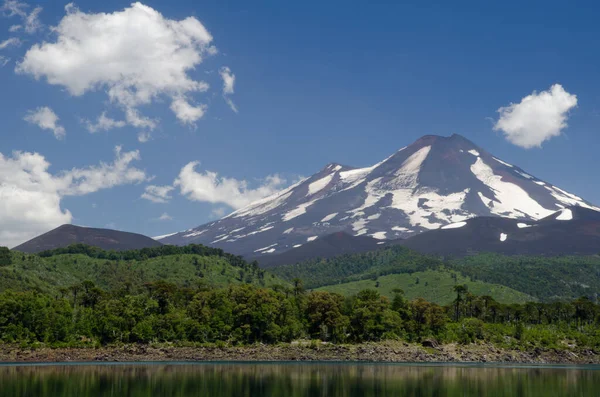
<point x="315" y="82"/>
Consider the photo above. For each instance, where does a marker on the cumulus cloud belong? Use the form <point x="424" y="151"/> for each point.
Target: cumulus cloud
<point x="46" y="119"/>
<point x="30" y="20"/>
<point x="4" y="61"/>
<point x="103" y="123"/>
<point x="30" y="195"/>
<point x="158" y="194"/>
<point x="537" y="118"/>
<point x="188" y="114"/>
<point x="228" y="86"/>
<point x="80" y="181"/>
<point x="136" y="55"/>
<point x="13" y="41"/>
<point x="165" y="217"/>
<point x="210" y="187"/>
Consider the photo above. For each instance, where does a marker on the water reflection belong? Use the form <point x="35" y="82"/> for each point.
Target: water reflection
<point x="294" y="380"/>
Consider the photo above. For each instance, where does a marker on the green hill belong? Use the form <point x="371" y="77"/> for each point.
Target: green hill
<point x="435" y="286"/>
<point x="51" y="270"/>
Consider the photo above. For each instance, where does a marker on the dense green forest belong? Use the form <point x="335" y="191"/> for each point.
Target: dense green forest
<point x="158" y="312"/>
<point x="547" y="278"/>
<point x="51" y="271"/>
<point x="82" y="296"/>
<point x="522" y="277"/>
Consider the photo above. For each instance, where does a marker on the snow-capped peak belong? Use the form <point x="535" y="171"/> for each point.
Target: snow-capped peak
<point x="435" y="181"/>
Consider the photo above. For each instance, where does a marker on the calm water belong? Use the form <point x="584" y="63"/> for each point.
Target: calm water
<point x="292" y="379"/>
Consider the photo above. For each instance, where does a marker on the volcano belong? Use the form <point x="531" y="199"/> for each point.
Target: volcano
<point x="436" y="181"/>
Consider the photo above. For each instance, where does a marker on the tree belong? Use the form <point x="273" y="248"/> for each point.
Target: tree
<point x="460" y="291"/>
<point x="5" y="257"/>
<point x="298" y="286"/>
<point x="325" y="318"/>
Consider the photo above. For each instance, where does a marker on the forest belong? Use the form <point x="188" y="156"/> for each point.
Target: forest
<point x="85" y="315"/>
<point x="81" y="296"/>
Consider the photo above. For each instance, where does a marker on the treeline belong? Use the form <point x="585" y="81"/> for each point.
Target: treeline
<point x="85" y="315"/>
<point x="148" y="253"/>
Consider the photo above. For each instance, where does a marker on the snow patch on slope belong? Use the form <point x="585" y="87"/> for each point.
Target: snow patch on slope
<point x="296" y="212"/>
<point x="164" y="236"/>
<point x="565" y="215"/>
<point x="329" y="217"/>
<point x="502" y="162"/>
<point x="568" y="198"/>
<point x="266" y="248"/>
<point x="510" y="199"/>
<point x="454" y="225"/>
<point x="319" y="185"/>
<point x="503" y="237"/>
<point x="379" y="235"/>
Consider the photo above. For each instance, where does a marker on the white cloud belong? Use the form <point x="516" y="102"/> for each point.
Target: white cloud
<point x="537" y="118"/>
<point x="165" y="217"/>
<point x="11" y="8"/>
<point x="228" y="86"/>
<point x="188" y="114"/>
<point x="30" y="196"/>
<point x="103" y="123"/>
<point x="13" y="41"/>
<point x="31" y="21"/>
<point x="136" y="54"/>
<point x="46" y="119"/>
<point x="143" y="136"/>
<point x="158" y="194"/>
<point x="4" y="61"/>
<point x="228" y="80"/>
<point x="77" y="182"/>
<point x="134" y="118"/>
<point x="231" y="104"/>
<point x="209" y="187"/>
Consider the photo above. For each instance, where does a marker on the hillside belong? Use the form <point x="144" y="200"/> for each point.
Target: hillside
<point x="547" y="278"/>
<point x="573" y="230"/>
<point x="52" y="271"/>
<point x="105" y="239"/>
<point x="362" y="266"/>
<point x="433" y="285"/>
<point x="329" y="246"/>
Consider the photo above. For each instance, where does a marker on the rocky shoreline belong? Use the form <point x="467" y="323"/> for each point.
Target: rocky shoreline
<point x="367" y="352"/>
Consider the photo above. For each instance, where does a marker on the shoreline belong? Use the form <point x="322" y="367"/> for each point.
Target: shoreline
<point x="380" y="352"/>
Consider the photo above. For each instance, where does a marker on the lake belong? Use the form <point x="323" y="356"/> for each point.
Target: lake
<point x="295" y="380"/>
